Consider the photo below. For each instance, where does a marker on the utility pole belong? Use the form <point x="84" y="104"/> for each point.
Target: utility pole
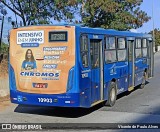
<point x="153" y="33"/>
<point x="1" y="33"/>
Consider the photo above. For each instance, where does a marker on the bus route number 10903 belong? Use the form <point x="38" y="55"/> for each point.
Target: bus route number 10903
<point x="45" y="100"/>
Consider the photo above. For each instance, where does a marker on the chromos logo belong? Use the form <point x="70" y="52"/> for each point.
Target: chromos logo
<point x="39" y="74"/>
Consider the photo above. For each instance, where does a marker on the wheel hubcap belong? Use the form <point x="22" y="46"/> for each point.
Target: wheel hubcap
<point x="113" y="94"/>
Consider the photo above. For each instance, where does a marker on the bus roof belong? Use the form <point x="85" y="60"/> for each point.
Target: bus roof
<point x="99" y="30"/>
<point x="113" y="32"/>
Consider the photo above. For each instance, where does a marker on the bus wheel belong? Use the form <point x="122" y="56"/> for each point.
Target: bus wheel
<point x="112" y="95"/>
<point x="143" y="80"/>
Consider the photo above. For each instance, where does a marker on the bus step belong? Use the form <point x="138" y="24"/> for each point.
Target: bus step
<point x="130" y="88"/>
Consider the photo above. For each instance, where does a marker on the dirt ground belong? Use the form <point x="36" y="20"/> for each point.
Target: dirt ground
<point x="4" y="69"/>
<point x="4" y="101"/>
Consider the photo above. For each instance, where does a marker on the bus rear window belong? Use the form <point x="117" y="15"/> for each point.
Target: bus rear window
<point x="58" y="36"/>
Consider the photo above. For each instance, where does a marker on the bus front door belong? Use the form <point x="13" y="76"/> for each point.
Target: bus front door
<point x="96" y="62"/>
<point x="131" y="64"/>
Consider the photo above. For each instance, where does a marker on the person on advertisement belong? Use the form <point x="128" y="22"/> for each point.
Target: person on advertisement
<point x="29" y="63"/>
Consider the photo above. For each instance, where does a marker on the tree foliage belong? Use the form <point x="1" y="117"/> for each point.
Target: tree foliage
<point x="41" y="11"/>
<point x="4" y="48"/>
<point x="116" y="14"/>
<point x="157" y="36"/>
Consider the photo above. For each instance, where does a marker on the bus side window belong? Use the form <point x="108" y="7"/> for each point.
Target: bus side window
<point x="138" y="48"/>
<point x="84" y="50"/>
<point x="85" y="60"/>
<point x="122" y="53"/>
<point x="110" y="50"/>
<point x="96" y="61"/>
<point x="130" y="50"/>
<point x="110" y="56"/>
<point x="144" y="47"/>
<point x="95" y="53"/>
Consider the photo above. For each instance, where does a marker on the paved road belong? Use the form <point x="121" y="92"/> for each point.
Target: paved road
<point x="140" y="106"/>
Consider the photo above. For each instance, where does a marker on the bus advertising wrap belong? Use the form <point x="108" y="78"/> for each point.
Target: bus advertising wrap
<point x="41" y="66"/>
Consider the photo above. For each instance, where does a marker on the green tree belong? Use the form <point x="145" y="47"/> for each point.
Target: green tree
<point x="3" y="12"/>
<point x="42" y="11"/>
<point x="116" y="14"/>
<point x="4" y="48"/>
<point x="157" y="36"/>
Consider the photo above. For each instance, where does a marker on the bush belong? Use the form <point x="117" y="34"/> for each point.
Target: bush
<point x="4" y="48"/>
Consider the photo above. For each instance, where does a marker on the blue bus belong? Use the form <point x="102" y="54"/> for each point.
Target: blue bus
<point x="75" y="66"/>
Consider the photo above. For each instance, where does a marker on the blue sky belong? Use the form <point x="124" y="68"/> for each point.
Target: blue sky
<point x="145" y="6"/>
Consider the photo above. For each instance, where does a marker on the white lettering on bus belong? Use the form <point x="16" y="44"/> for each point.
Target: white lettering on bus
<point x="63" y="48"/>
<point x="51" y="57"/>
<point x="43" y="74"/>
<point x="30" y="37"/>
<point x="32" y="34"/>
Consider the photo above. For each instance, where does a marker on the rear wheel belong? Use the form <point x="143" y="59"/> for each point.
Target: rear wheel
<point x="112" y="95"/>
<point x="143" y="80"/>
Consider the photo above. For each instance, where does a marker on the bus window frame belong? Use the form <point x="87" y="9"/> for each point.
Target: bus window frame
<point x="122" y="49"/>
<point x="94" y="65"/>
<point x="145" y="47"/>
<point x="87" y="51"/>
<point x="105" y="49"/>
<point x="138" y="48"/>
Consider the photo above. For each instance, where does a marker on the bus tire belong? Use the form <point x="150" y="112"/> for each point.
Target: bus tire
<point x="143" y="80"/>
<point x="112" y="95"/>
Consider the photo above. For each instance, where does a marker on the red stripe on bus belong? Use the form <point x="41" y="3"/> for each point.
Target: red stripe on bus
<point x="39" y="59"/>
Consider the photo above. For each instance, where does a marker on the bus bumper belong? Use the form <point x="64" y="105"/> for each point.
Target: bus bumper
<point x="61" y="100"/>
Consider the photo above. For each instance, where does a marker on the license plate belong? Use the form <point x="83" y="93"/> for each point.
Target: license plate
<point x="40" y="85"/>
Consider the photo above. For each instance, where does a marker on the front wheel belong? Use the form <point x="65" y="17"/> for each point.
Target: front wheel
<point x="112" y="95"/>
